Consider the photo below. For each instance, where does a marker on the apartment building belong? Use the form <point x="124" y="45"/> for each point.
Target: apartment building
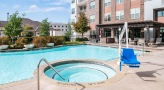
<point x="58" y="29"/>
<point x="107" y="17"/>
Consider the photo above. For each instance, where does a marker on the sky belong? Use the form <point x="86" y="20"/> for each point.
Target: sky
<point x="37" y="10"/>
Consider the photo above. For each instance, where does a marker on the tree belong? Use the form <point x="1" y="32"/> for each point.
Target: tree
<point x="44" y="27"/>
<point x="26" y="31"/>
<point x="68" y="34"/>
<point x="13" y="27"/>
<point x="82" y="25"/>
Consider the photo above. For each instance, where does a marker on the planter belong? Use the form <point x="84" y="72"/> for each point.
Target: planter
<point x="29" y="46"/>
<point x="3" y="47"/>
<point x="50" y="44"/>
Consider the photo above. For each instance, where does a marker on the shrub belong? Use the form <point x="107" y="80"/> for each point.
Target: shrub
<point x="5" y="41"/>
<point x="39" y="41"/>
<point x="20" y="42"/>
<point x="50" y="39"/>
<point x="59" y="40"/>
<point x="82" y="39"/>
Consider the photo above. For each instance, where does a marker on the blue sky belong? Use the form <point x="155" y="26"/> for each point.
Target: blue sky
<point x="54" y="10"/>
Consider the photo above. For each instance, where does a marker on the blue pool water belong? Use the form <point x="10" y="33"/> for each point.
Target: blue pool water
<point x="15" y="66"/>
<point x="81" y="72"/>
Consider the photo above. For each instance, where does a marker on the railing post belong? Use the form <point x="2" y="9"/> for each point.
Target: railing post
<point x="38" y="74"/>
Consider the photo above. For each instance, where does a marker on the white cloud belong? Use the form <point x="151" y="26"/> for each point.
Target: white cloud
<point x="60" y="2"/>
<point x="35" y="8"/>
<point x="16" y="6"/>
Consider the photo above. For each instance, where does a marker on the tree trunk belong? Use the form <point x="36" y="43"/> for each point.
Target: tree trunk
<point x="82" y="35"/>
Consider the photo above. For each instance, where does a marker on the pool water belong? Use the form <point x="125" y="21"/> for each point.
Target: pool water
<point x="15" y="66"/>
<point x="81" y="72"/>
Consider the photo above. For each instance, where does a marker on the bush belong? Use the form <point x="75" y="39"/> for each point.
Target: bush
<point x="39" y="41"/>
<point x="20" y="42"/>
<point x="50" y="39"/>
<point x="59" y="40"/>
<point x="82" y="39"/>
<point x="5" y="41"/>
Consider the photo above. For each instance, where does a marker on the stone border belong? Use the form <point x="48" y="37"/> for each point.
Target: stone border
<point x="119" y="75"/>
<point x="34" y="49"/>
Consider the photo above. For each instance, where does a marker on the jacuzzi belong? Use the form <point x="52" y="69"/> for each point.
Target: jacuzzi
<point x="80" y="73"/>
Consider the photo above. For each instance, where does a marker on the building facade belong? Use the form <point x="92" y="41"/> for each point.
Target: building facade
<point x="58" y="29"/>
<point x="106" y="17"/>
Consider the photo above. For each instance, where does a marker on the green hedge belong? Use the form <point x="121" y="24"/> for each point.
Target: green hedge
<point x="59" y="40"/>
<point x="5" y="41"/>
<point x="20" y="42"/>
<point x="82" y="39"/>
<point x="39" y="41"/>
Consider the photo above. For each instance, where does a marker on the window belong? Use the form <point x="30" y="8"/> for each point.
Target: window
<point x="119" y="1"/>
<point x="120" y="15"/>
<point x="73" y="10"/>
<point x="92" y="5"/>
<point x="80" y="1"/>
<point x="107" y="17"/>
<point x="160" y="13"/>
<point x="107" y="2"/>
<point x="73" y="20"/>
<point x="73" y="1"/>
<point x="92" y="18"/>
<point x="135" y="13"/>
<point x="58" y="26"/>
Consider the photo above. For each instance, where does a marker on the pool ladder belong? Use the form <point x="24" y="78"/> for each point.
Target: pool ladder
<point x="38" y="77"/>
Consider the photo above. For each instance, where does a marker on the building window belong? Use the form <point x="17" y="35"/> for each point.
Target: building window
<point x="107" y="17"/>
<point x="120" y="15"/>
<point x="160" y="13"/>
<point x="107" y="2"/>
<point x="73" y="1"/>
<point x="92" y="18"/>
<point x="73" y="10"/>
<point x="119" y="1"/>
<point x="135" y="13"/>
<point x="58" y="26"/>
<point x="80" y="1"/>
<point x="73" y="20"/>
<point x="92" y="5"/>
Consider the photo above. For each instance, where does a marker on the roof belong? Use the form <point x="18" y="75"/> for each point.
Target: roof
<point x="3" y="23"/>
<point x="139" y="24"/>
<point x="57" y="23"/>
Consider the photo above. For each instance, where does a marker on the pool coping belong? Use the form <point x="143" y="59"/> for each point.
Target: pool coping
<point x="34" y="49"/>
<point x="119" y="74"/>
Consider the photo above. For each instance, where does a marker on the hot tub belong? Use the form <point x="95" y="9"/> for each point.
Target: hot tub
<point x="81" y="72"/>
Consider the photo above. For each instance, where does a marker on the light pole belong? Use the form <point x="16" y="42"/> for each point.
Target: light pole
<point x="8" y="16"/>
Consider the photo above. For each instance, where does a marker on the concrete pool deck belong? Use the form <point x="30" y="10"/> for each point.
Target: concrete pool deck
<point x="150" y="76"/>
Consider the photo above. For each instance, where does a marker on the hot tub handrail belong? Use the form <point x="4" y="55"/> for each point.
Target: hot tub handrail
<point x="38" y="77"/>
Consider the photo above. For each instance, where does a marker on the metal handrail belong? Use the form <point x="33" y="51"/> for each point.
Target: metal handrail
<point x="38" y="77"/>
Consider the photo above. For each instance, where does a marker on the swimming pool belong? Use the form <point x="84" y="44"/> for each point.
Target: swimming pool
<point x="15" y="66"/>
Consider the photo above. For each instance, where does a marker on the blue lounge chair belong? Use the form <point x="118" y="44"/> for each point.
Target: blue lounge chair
<point x="129" y="58"/>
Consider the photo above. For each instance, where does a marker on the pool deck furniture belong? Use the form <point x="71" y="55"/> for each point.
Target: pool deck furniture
<point x="129" y="58"/>
<point x="158" y="41"/>
<point x="151" y="43"/>
<point x="141" y="41"/>
<point x="131" y="41"/>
